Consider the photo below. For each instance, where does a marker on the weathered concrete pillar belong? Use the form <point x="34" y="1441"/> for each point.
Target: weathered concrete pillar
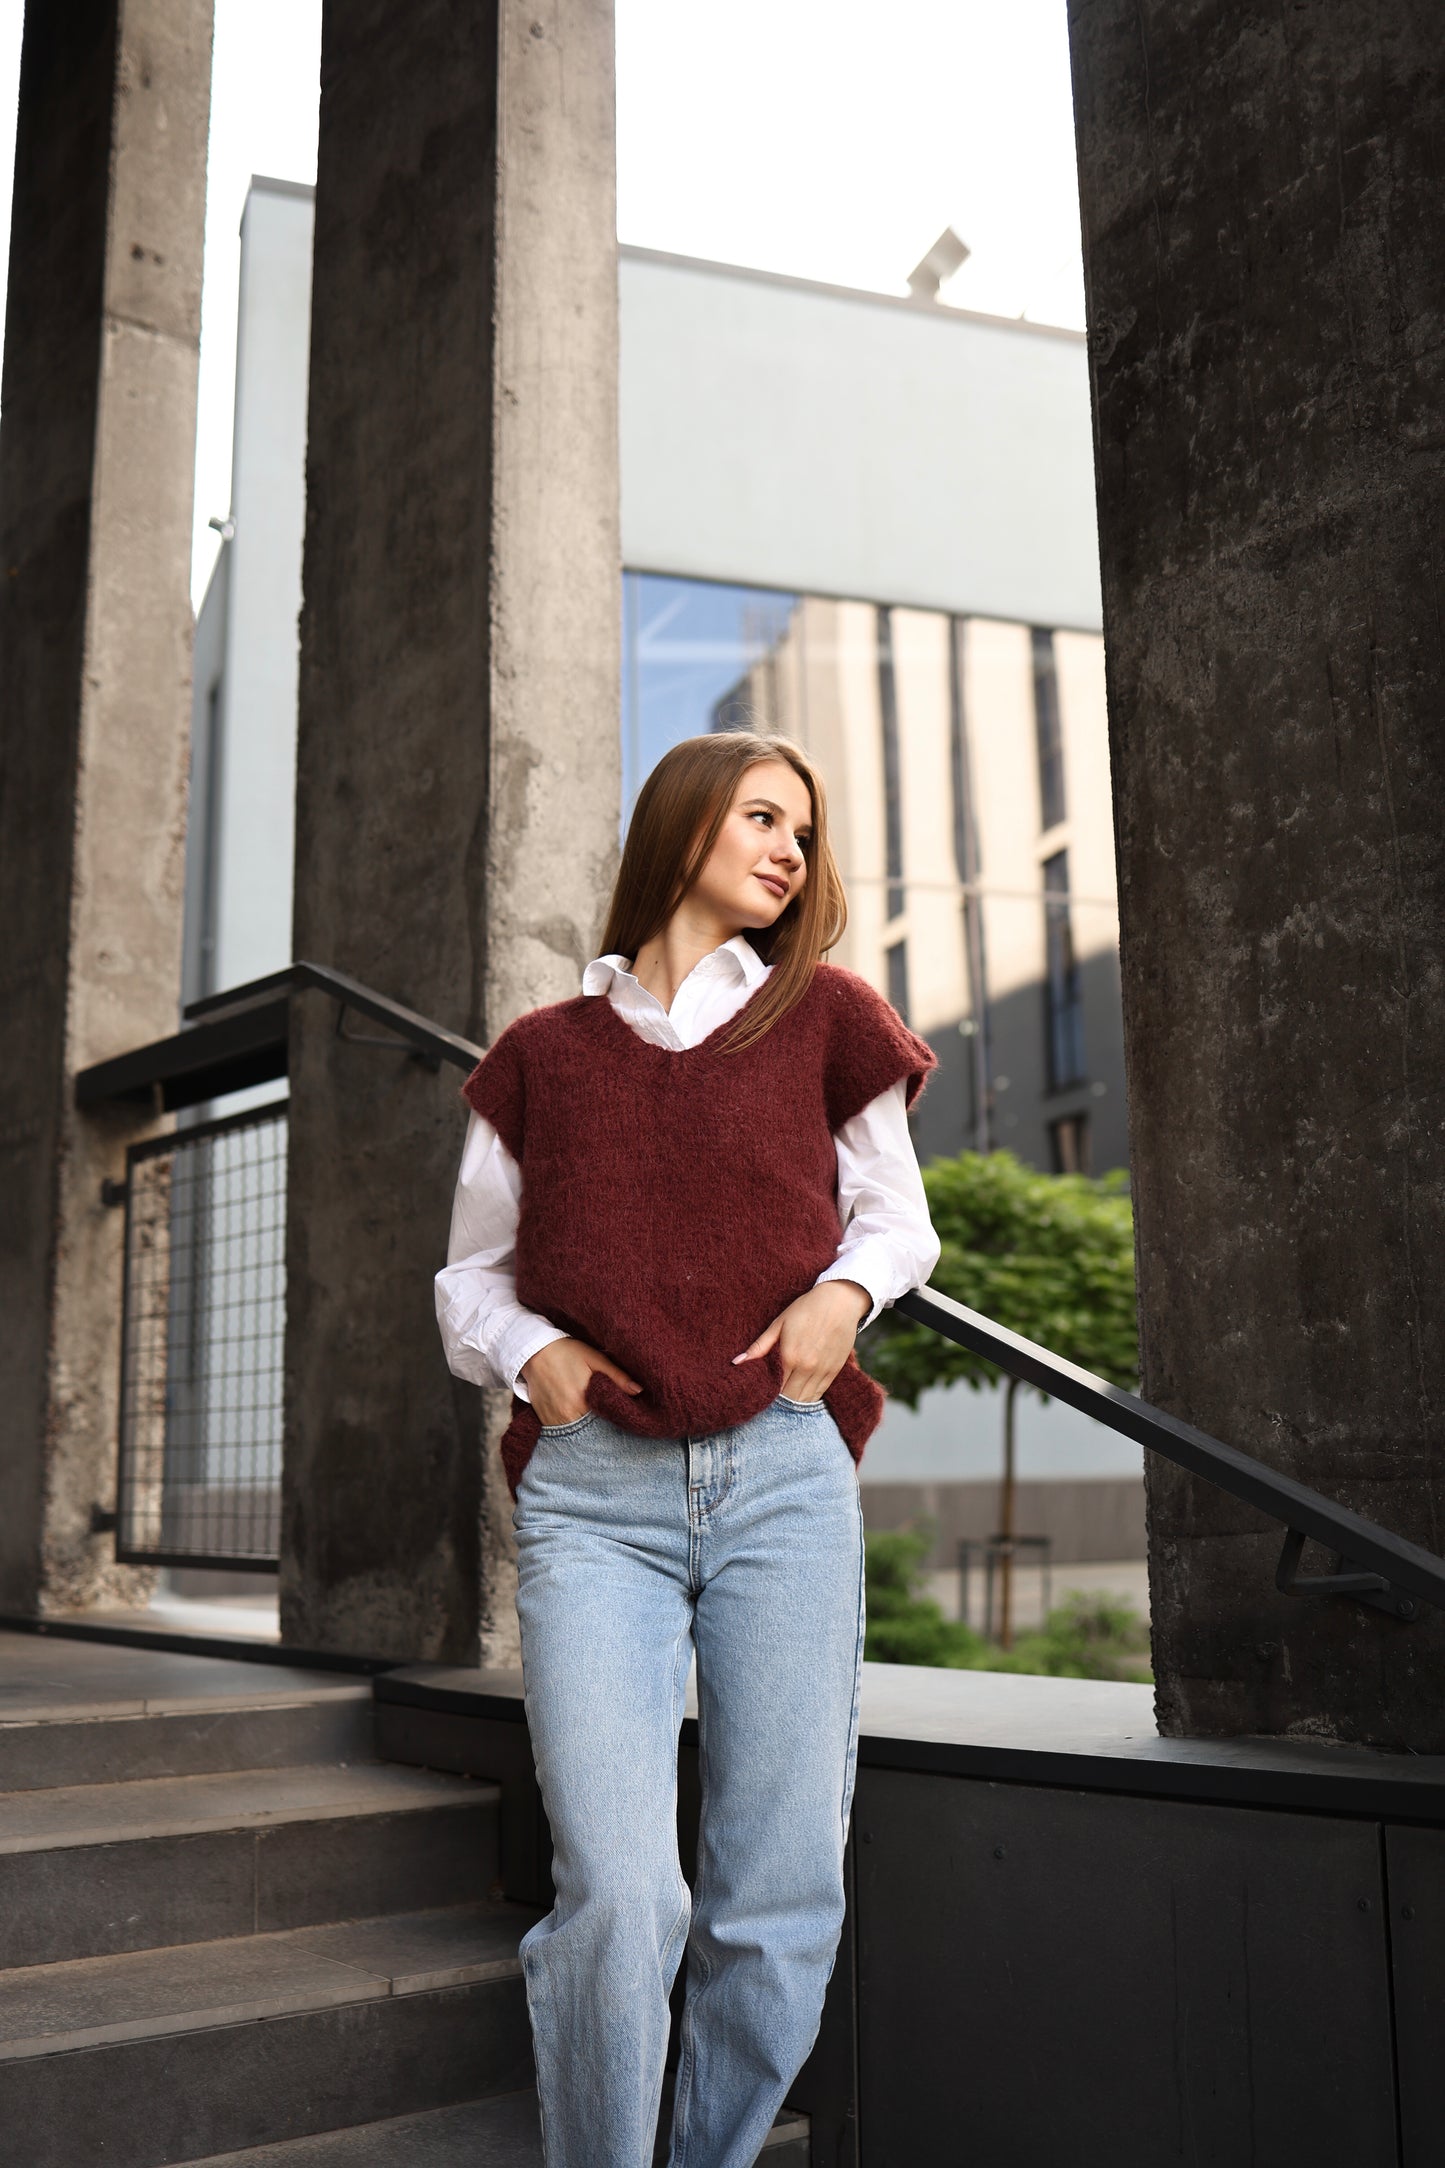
<point x="97" y="455"/>
<point x="1263" y="228"/>
<point x="459" y="769"/>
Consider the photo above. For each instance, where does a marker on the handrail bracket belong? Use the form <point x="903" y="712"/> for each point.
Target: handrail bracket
<point x="1370" y="1588"/>
<point x="390" y="1045"/>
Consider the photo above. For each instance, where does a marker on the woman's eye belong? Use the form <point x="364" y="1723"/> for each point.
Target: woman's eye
<point x="759" y="813"/>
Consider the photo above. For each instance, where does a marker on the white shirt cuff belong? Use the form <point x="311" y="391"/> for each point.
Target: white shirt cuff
<point x="869" y="1263"/>
<point x="512" y="1362"/>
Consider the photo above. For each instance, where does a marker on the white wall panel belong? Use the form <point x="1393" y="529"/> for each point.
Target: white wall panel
<point x="796" y="436"/>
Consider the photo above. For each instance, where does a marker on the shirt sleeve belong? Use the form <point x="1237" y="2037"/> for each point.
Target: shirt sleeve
<point x="487" y="1334"/>
<point x="889" y="1244"/>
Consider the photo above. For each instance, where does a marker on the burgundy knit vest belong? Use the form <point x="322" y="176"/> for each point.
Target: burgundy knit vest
<point x="674" y="1202"/>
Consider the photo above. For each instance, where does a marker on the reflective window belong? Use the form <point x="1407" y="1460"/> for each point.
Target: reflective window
<point x="898" y="978"/>
<point x="1052" y="807"/>
<point x="1063" y="1006"/>
<point x="691" y="652"/>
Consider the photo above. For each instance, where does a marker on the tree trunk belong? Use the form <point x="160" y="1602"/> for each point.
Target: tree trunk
<point x="1006" y="1520"/>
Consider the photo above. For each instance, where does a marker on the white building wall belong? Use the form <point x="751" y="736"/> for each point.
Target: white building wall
<point x="203" y="814"/>
<point x="781" y="434"/>
<point x="262" y="567"/>
<point x="1084" y="724"/>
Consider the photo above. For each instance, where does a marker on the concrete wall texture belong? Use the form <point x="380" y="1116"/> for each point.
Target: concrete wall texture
<point x="458" y="760"/>
<point x="1262" y="230"/>
<point x="96" y="461"/>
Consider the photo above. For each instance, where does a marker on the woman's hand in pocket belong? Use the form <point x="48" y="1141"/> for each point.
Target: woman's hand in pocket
<point x="556" y="1379"/>
<point x="813" y="1336"/>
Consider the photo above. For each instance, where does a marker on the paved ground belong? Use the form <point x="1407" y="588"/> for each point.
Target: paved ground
<point x="1127" y="1577"/>
<point x="244" y="1618"/>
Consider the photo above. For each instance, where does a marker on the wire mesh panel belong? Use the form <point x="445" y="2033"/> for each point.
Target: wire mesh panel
<point x="204" y="1317"/>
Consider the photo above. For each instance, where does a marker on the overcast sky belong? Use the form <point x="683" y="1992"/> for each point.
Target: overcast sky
<point x="833" y="139"/>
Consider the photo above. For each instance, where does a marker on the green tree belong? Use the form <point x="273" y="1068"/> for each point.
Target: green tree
<point x="1051" y="1256"/>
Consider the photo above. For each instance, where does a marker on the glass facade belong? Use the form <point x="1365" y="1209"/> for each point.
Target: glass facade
<point x="690" y="649"/>
<point x="979" y="900"/>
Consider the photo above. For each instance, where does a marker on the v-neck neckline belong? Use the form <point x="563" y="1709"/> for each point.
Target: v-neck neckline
<point x="681" y="1053"/>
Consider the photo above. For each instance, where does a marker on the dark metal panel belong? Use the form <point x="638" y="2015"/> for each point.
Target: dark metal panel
<point x="478" y="1746"/>
<point x="242" y="1038"/>
<point x="1415" y="1873"/>
<point x="1050" y="1977"/>
<point x="826" y="2088"/>
<point x="232" y="1053"/>
<point x="1067" y="1734"/>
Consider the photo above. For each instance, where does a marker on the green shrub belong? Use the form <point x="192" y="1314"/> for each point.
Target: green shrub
<point x="1090" y="1635"/>
<point x="904" y="1627"/>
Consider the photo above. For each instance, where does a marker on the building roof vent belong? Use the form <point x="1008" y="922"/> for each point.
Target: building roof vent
<point x="947" y="255"/>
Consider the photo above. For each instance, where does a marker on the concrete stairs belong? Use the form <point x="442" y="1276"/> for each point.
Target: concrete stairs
<point x="230" y="1936"/>
<point x="227" y="1926"/>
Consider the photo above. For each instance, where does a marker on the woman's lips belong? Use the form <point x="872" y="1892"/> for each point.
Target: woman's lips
<point x="779" y="888"/>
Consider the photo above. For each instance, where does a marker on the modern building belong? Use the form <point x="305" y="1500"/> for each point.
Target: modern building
<point x="865" y="520"/>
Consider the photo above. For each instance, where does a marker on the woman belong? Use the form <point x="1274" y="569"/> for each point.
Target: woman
<point x="681" y="1193"/>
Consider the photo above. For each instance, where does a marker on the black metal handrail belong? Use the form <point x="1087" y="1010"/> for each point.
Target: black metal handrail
<point x="241" y="1038"/>
<point x="1378" y="1568"/>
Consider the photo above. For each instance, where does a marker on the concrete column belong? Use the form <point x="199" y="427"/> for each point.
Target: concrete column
<point x="96" y="461"/>
<point x="459" y="773"/>
<point x="1263" y="227"/>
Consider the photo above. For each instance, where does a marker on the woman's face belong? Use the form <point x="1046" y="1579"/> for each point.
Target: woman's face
<point x="758" y="865"/>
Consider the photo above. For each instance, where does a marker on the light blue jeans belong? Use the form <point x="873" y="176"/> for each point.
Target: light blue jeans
<point x="746" y="1549"/>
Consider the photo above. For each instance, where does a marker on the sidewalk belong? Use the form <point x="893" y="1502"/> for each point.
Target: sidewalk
<point x="1127" y="1577"/>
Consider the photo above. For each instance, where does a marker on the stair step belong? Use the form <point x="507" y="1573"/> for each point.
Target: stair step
<point x="93" y="1870"/>
<point x="39" y="1753"/>
<point x="81" y="1712"/>
<point x="50" y="2009"/>
<point x="87" y="1814"/>
<point x="168" y="2055"/>
<point x="499" y="2133"/>
<point x="57" y="1677"/>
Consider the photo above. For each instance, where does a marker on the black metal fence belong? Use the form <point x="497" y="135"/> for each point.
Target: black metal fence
<point x="202" y="1328"/>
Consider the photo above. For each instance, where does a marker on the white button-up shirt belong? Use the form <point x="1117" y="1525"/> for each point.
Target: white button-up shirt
<point x="888" y="1243"/>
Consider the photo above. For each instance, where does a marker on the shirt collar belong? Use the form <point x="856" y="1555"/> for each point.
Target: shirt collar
<point x="600" y="973"/>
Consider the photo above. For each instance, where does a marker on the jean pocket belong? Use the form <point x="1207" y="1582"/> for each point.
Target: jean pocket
<point x="563" y="1430"/>
<point x="804" y="1407"/>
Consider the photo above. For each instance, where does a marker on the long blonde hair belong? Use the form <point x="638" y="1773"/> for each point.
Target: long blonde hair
<point x="678" y="817"/>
